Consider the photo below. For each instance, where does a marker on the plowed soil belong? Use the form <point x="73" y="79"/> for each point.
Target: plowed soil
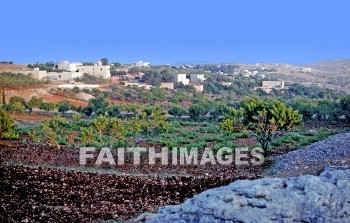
<point x="42" y="184"/>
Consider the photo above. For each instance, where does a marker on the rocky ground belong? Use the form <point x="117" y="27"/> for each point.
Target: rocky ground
<point x="320" y="199"/>
<point x="312" y="159"/>
<point x="42" y="184"/>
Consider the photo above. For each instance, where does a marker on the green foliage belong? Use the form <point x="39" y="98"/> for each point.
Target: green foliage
<point x="345" y="106"/>
<point x="263" y="119"/>
<point x="48" y="106"/>
<point x="34" y="102"/>
<point x="153" y="76"/>
<point x="100" y="124"/>
<point x="197" y="111"/>
<point x="17" y="99"/>
<point x="63" y="106"/>
<point x="16" y="107"/>
<point x="91" y="79"/>
<point x="96" y="106"/>
<point x="6" y="124"/>
<point x="3" y="99"/>
<point x="104" y="61"/>
<point x="8" y="79"/>
<point x="177" y="111"/>
<point x="233" y="122"/>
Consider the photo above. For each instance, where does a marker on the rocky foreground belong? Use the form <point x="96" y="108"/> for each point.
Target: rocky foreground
<point x="312" y="159"/>
<point x="322" y="199"/>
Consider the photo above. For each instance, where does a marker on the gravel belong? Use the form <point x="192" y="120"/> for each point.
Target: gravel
<point x="312" y="159"/>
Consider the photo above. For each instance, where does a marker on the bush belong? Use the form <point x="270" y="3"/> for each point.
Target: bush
<point x="6" y="124"/>
<point x="262" y="119"/>
<point x="345" y="106"/>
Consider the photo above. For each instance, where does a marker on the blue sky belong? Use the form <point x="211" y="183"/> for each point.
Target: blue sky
<point x="172" y="31"/>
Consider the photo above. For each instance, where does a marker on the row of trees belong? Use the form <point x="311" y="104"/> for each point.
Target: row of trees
<point x="17" y="105"/>
<point x="101" y="131"/>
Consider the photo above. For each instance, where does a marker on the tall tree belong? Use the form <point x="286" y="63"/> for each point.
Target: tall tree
<point x="104" y="61"/>
<point x="262" y="119"/>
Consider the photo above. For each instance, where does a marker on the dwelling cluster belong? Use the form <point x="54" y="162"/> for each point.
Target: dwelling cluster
<point x="268" y="86"/>
<point x="194" y="80"/>
<point x="67" y="71"/>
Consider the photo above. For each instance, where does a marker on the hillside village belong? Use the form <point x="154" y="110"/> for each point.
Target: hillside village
<point x="66" y="74"/>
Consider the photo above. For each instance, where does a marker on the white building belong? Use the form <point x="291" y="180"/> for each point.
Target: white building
<point x="197" y="78"/>
<point x="181" y="78"/>
<point x="198" y="87"/>
<point x="267" y="86"/>
<point x="140" y="63"/>
<point x="66" y="66"/>
<point x="169" y="86"/>
<point x="306" y="69"/>
<point x="54" y="76"/>
<point x="36" y="73"/>
<point x="80" y="86"/>
<point x="96" y="70"/>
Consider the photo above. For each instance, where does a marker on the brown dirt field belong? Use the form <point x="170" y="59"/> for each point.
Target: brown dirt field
<point x="58" y="98"/>
<point x="12" y="67"/>
<point x="28" y="92"/>
<point x="35" y="192"/>
<point x="29" y="117"/>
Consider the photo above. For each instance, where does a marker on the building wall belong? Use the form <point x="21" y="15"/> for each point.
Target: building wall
<point x="36" y="74"/>
<point x="169" y="86"/>
<point x="68" y="76"/>
<point x="197" y="78"/>
<point x="267" y="86"/>
<point x="198" y="87"/>
<point x="273" y="84"/>
<point x="181" y="78"/>
<point x="73" y="67"/>
<point x="96" y="70"/>
<point x="63" y="65"/>
<point x="80" y="86"/>
<point x="146" y="86"/>
<point x="141" y="64"/>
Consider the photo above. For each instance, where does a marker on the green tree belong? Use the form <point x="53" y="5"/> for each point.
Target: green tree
<point x="345" y="106"/>
<point x="3" y="97"/>
<point x="96" y="106"/>
<point x="157" y="122"/>
<point x="15" y="99"/>
<point x="6" y="123"/>
<point x="100" y="124"/>
<point x="86" y="136"/>
<point x="265" y="120"/>
<point x="48" y="106"/>
<point x="34" y="102"/>
<point x="104" y="61"/>
<point x="118" y="129"/>
<point x="63" y="106"/>
<point x="177" y="111"/>
<point x="197" y="111"/>
<point x="16" y="107"/>
<point x="49" y="134"/>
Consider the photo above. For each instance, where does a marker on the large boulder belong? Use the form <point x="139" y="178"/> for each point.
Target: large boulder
<point x="322" y="199"/>
<point x="84" y="96"/>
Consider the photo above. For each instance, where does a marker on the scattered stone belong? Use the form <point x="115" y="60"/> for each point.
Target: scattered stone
<point x="322" y="199"/>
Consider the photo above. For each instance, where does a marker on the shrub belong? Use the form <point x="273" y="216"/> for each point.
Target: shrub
<point x="6" y="124"/>
<point x="262" y="119"/>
